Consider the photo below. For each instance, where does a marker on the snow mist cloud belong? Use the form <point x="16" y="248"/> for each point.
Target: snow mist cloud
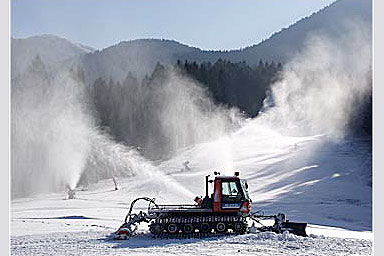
<point x="189" y="116"/>
<point x="49" y="132"/>
<point x="54" y="138"/>
<point x="322" y="87"/>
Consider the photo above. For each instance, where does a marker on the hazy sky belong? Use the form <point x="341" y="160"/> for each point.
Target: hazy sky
<point x="207" y="24"/>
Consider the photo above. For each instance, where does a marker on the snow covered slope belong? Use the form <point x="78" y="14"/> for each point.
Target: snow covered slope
<point x="309" y="178"/>
<point x="90" y="243"/>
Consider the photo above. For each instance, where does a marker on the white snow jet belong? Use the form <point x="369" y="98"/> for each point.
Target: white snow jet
<point x="167" y="112"/>
<point x="189" y="116"/>
<point x="108" y="159"/>
<point x="321" y="88"/>
<point x="54" y="139"/>
<point x="189" y="119"/>
<point x="218" y="155"/>
<point x="49" y="132"/>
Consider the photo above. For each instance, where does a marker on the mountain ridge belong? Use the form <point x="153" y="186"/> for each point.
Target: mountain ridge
<point x="55" y="52"/>
<point x="282" y="46"/>
<point x="140" y="56"/>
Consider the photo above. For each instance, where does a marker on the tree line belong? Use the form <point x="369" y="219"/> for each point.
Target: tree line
<point x="234" y="84"/>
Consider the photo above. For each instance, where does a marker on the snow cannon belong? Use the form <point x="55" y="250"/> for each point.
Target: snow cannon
<point x="226" y="210"/>
<point x="71" y="193"/>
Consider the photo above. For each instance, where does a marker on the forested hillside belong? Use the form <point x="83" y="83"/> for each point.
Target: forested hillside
<point x="235" y="84"/>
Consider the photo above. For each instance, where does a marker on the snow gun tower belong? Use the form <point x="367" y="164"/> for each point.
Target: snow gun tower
<point x="226" y="210"/>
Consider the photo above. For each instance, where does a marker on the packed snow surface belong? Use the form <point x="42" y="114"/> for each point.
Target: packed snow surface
<point x="94" y="243"/>
<point x="310" y="178"/>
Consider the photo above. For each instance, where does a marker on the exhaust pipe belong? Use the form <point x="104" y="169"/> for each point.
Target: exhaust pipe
<point x="206" y="185"/>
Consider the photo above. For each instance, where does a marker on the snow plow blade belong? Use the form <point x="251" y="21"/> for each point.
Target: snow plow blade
<point x="296" y="228"/>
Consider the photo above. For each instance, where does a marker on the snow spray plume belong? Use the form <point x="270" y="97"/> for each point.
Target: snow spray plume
<point x="54" y="140"/>
<point x="49" y="131"/>
<point x="108" y="159"/>
<point x="322" y="87"/>
<point x="189" y="116"/>
<point x="165" y="113"/>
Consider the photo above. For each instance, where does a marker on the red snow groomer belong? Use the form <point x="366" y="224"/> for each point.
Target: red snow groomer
<point x="226" y="210"/>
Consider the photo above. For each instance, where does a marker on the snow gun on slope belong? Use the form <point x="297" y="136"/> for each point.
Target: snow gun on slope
<point x="226" y="211"/>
